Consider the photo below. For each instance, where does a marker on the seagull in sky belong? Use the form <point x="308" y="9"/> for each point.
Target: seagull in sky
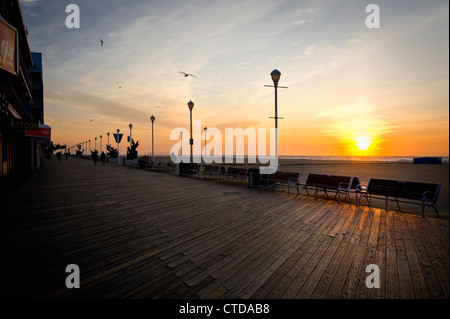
<point x="91" y="120"/>
<point x="101" y="42"/>
<point x="119" y="87"/>
<point x="187" y="74"/>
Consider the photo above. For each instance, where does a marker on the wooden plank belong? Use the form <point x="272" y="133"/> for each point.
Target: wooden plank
<point x="340" y="267"/>
<point x="317" y="281"/>
<point x="379" y="257"/>
<point x="417" y="278"/>
<point x="305" y="235"/>
<point x="354" y="279"/>
<point x="392" y="281"/>
<point x="406" y="290"/>
<point x="420" y="242"/>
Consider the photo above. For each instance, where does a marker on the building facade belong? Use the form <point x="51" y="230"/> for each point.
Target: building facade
<point x="21" y="103"/>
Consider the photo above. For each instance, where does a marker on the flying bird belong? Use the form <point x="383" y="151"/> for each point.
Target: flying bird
<point x="101" y="42"/>
<point x="91" y="120"/>
<point x="187" y="74"/>
<point x="119" y="87"/>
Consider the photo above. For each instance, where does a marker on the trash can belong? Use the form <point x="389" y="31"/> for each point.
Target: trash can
<point x="253" y="177"/>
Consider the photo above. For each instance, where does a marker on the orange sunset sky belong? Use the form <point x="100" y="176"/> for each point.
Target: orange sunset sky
<point x="351" y="90"/>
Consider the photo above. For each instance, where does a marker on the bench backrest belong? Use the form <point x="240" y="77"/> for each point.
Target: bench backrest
<point x="416" y="190"/>
<point x="240" y="171"/>
<point x="401" y="189"/>
<point x="355" y="182"/>
<point x="162" y="164"/>
<point x="383" y="187"/>
<point x="286" y="176"/>
<point x="329" y="180"/>
<point x="215" y="168"/>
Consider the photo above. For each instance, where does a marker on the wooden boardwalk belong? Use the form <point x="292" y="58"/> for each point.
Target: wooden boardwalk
<point x="140" y="234"/>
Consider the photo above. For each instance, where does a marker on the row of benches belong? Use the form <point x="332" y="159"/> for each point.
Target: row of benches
<point x="161" y="165"/>
<point x="238" y="174"/>
<point x="425" y="194"/>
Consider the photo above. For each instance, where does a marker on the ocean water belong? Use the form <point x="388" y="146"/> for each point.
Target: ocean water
<point x="398" y="159"/>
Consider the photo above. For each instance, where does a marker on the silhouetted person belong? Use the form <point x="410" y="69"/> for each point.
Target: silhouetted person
<point x="103" y="158"/>
<point x="58" y="155"/>
<point x="95" y="158"/>
<point x="66" y="154"/>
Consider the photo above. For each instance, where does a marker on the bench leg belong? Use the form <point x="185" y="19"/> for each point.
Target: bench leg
<point x="432" y="205"/>
<point x="306" y="188"/>
<point x="435" y="209"/>
<point x="398" y="205"/>
<point x="346" y="195"/>
<point x="361" y="195"/>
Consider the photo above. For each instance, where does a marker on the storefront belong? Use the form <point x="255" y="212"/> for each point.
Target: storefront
<point x="15" y="60"/>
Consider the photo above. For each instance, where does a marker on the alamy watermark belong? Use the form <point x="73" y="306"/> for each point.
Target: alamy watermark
<point x="73" y="19"/>
<point x="373" y="280"/>
<point x="73" y="280"/>
<point x="373" y="19"/>
<point x="256" y="146"/>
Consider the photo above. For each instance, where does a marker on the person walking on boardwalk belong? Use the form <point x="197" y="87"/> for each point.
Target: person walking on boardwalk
<point x="103" y="158"/>
<point x="58" y="155"/>
<point x="95" y="156"/>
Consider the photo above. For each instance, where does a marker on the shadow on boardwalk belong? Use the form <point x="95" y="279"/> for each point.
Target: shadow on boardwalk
<point x="141" y="234"/>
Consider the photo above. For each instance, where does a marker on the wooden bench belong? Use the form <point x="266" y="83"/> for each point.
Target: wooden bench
<point x="335" y="183"/>
<point x="400" y="191"/>
<point x="171" y="166"/>
<point x="189" y="168"/>
<point x="167" y="166"/>
<point x="214" y="170"/>
<point x="148" y="164"/>
<point x="238" y="174"/>
<point x="280" y="179"/>
<point x="161" y="165"/>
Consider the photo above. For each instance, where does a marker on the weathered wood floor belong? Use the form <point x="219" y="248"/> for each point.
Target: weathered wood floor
<point x="141" y="234"/>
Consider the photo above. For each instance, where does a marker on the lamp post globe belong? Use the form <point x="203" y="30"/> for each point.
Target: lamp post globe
<point x="190" y="105"/>
<point x="152" y="118"/>
<point x="275" y="75"/>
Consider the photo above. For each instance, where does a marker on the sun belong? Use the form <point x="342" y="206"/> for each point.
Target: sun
<point x="363" y="143"/>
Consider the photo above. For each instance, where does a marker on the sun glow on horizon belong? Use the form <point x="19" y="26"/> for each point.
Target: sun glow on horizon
<point x="363" y="143"/>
